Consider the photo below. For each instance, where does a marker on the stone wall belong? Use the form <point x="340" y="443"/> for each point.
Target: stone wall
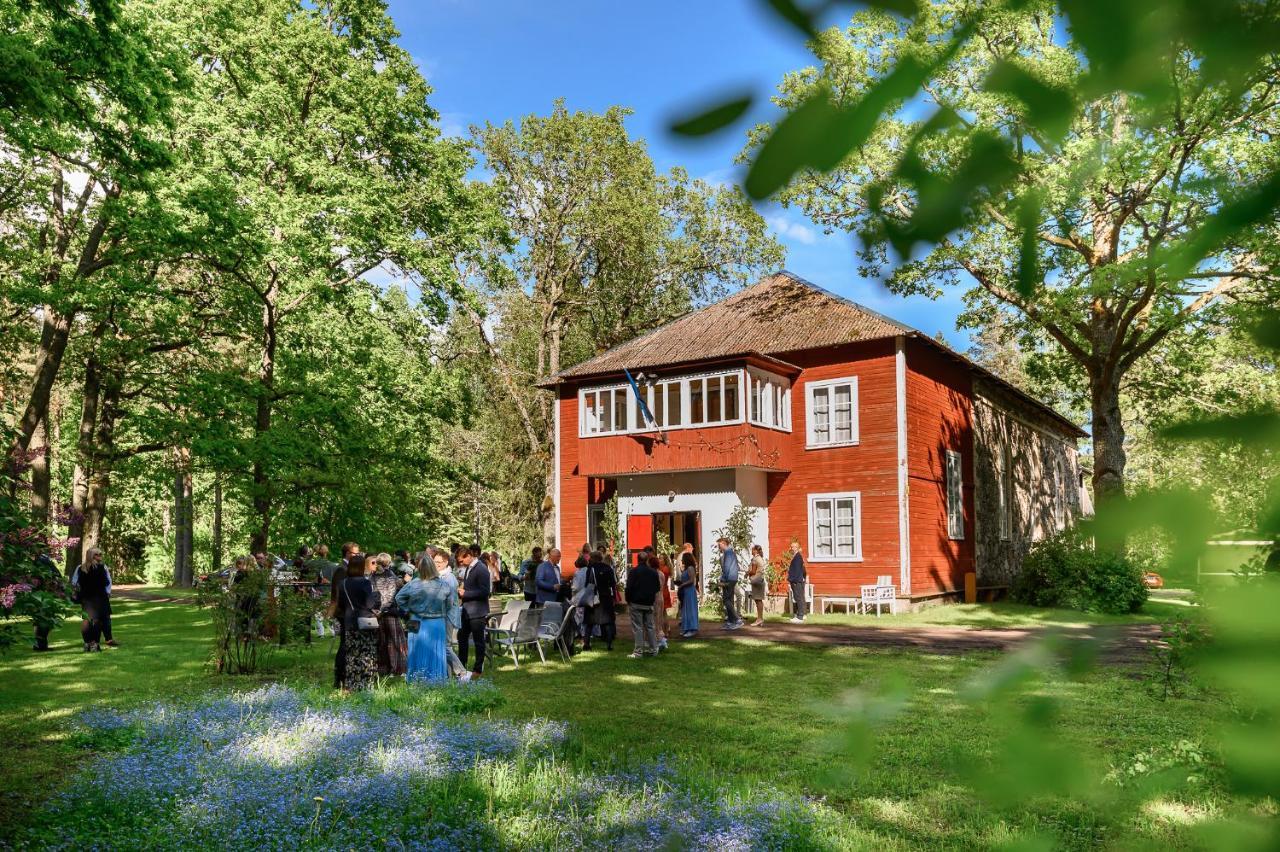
<point x="1043" y="480"/>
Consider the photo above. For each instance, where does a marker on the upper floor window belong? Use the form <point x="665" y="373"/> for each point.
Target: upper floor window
<point x="606" y="411"/>
<point x="831" y="412"/>
<point x="955" y="496"/>
<point x="675" y="403"/>
<point x="770" y="400"/>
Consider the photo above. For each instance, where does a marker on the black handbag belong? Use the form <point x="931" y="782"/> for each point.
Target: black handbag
<point x="412" y="625"/>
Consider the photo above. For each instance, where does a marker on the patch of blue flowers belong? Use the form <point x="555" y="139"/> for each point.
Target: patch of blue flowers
<point x="268" y="769"/>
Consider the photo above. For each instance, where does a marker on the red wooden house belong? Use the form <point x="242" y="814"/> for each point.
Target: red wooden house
<point x="876" y="447"/>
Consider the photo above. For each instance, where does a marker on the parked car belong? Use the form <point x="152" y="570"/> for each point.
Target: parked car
<point x="1152" y="580"/>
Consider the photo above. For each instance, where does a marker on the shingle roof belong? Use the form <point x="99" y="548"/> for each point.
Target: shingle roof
<point x="780" y="313"/>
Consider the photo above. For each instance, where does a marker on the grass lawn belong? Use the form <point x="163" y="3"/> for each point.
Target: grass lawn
<point x="745" y="716"/>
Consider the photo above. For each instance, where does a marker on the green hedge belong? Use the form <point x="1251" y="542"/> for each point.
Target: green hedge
<point x="1067" y="571"/>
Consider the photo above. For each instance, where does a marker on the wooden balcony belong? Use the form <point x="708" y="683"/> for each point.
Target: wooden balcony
<point x="736" y="445"/>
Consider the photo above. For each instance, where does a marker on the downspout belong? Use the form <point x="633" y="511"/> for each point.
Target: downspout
<point x="904" y="495"/>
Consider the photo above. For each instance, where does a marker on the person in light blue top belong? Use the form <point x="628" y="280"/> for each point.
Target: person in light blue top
<point x="430" y="602"/>
<point x="450" y="577"/>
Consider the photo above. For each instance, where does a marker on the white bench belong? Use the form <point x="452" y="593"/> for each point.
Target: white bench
<point x="850" y="604"/>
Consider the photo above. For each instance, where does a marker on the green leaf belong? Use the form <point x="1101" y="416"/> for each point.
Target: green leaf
<point x="1266" y="330"/>
<point x="1049" y="108"/>
<point x="786" y="151"/>
<point x="791" y="12"/>
<point x="713" y="118"/>
<point x="852" y="126"/>
<point x="1028" y="255"/>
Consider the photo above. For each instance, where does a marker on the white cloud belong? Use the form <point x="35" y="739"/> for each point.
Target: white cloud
<point x="784" y="227"/>
<point x="454" y="124"/>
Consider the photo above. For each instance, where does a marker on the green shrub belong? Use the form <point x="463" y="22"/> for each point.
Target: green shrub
<point x="157" y="568"/>
<point x="1067" y="571"/>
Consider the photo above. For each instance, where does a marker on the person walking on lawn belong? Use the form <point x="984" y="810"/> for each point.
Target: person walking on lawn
<point x="729" y="583"/>
<point x="644" y="592"/>
<point x="92" y="584"/>
<point x="797" y="577"/>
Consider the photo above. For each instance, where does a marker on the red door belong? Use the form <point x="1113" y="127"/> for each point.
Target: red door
<point x="639" y="536"/>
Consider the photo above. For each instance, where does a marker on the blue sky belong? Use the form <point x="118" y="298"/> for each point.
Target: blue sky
<point x="503" y="59"/>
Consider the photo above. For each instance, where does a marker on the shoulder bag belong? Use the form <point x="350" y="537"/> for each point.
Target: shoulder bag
<point x="363" y="622"/>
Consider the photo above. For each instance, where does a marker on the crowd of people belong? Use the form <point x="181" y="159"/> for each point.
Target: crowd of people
<point x="425" y="616"/>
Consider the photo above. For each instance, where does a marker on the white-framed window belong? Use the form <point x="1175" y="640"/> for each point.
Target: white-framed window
<point x="835" y="527"/>
<point x="597" y="535"/>
<point x="831" y="413"/>
<point x="770" y="400"/>
<point x="681" y="402"/>
<point x="1059" y="494"/>
<point x="606" y="411"/>
<point x="1004" y="491"/>
<point x="955" y="496"/>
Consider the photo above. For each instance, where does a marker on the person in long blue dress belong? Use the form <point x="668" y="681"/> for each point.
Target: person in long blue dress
<point x="688" y="585"/>
<point x="430" y="602"/>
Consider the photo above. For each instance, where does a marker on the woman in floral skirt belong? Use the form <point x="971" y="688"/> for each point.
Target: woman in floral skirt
<point x="358" y="605"/>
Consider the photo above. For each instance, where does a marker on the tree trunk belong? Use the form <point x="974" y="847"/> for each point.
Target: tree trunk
<point x="1109" y="455"/>
<point x="262" y="424"/>
<point x="41" y="478"/>
<point x="183" y="522"/>
<point x="217" y="521"/>
<point x="102" y="462"/>
<point x="84" y="462"/>
<point x="55" y="330"/>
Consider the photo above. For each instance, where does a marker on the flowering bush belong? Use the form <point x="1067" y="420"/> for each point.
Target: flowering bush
<point x="270" y="769"/>
<point x="30" y="584"/>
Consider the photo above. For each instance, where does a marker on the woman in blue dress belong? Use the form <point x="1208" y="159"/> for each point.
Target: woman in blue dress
<point x="688" y="585"/>
<point x="429" y="601"/>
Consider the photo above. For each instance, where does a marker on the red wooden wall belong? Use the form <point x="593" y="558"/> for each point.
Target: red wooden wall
<point x="939" y="418"/>
<point x="868" y="467"/>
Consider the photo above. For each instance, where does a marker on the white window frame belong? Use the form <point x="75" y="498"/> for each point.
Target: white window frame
<point x="1059" y="494"/>
<point x="634" y="417"/>
<point x="1004" y="490"/>
<point x="830" y="385"/>
<point x="774" y="400"/>
<point x="953" y="476"/>
<point x="813" y="555"/>
<point x="633" y="413"/>
<point x="592" y="510"/>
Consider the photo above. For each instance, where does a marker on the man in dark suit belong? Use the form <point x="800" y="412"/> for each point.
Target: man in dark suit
<point x="796" y="579"/>
<point x="477" y="587"/>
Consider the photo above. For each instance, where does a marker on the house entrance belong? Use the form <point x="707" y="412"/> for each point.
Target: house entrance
<point x="679" y="528"/>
